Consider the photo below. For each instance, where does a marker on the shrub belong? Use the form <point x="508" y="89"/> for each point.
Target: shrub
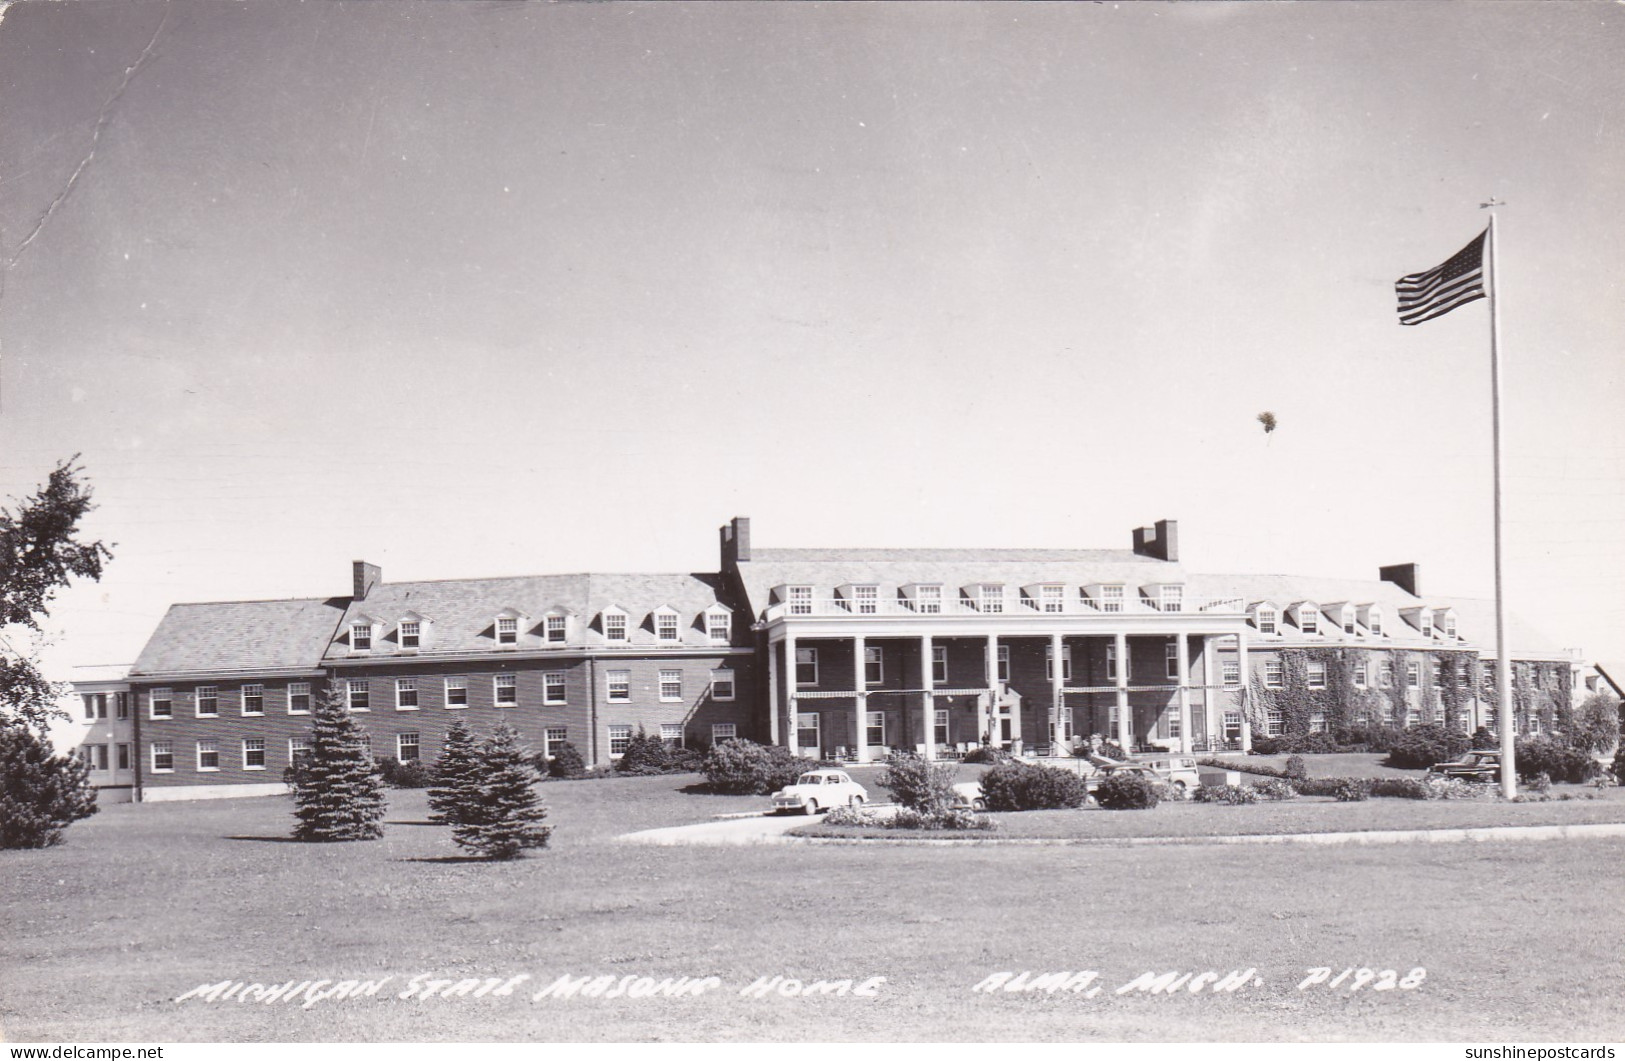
<point x="413" y="773"/>
<point x="1538" y="755"/>
<point x="1273" y="788"/>
<point x="907" y="818"/>
<point x="985" y="754"/>
<point x="917" y="784"/>
<point x="1020" y="786"/>
<point x="1619" y="766"/>
<point x="1595" y="727"/>
<point x="1540" y="784"/>
<point x="1456" y="788"/>
<point x="1170" y="793"/>
<point x="41" y="793"/>
<point x="1235" y="795"/>
<point x="1401" y="788"/>
<point x="566" y="762"/>
<point x="1482" y="738"/>
<point x="1317" y="786"/>
<point x="1125" y="791"/>
<point x="1421" y="746"/>
<point x="1353" y="790"/>
<point x="743" y="767"/>
<point x="643" y="755"/>
<point x="1295" y="767"/>
<point x="1243" y="768"/>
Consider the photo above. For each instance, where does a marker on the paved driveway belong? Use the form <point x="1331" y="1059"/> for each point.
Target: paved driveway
<point x="763" y="829"/>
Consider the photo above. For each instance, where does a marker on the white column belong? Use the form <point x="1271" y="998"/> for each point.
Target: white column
<point x="1123" y="737"/>
<point x="1183" y="644"/>
<point x="930" y="705"/>
<point x="1211" y="676"/>
<point x="993" y="739"/>
<point x="1246" y="692"/>
<point x="860" y="702"/>
<point x="1058" y="669"/>
<point x="790" y="736"/>
<point x="773" y="693"/>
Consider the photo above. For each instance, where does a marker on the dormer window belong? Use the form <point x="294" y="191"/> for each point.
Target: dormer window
<point x="1266" y="618"/>
<point x="507" y="631"/>
<point x="666" y="626"/>
<point x="361" y="635"/>
<point x="1111" y="598"/>
<point x="865" y="599"/>
<point x="614" y="625"/>
<point x="1309" y="618"/>
<point x="928" y="599"/>
<point x="719" y="624"/>
<point x="1373" y="620"/>
<point x="990" y="598"/>
<point x="800" y="600"/>
<point x="1425" y="620"/>
<point x="1446" y="620"/>
<point x="411" y="632"/>
<point x="1173" y="598"/>
<point x="1052" y="599"/>
<point x="557" y="627"/>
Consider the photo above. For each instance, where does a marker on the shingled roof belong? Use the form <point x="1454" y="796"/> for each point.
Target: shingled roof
<point x="267" y="635"/>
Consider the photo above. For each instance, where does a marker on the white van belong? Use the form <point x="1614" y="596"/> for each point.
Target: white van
<point x="1177" y="770"/>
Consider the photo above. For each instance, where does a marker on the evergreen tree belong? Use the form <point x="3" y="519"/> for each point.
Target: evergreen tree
<point x="41" y="793"/>
<point x="338" y="794"/>
<point x="456" y="776"/>
<point x="507" y="817"/>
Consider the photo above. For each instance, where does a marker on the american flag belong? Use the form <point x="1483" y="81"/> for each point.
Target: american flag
<point x="1423" y="296"/>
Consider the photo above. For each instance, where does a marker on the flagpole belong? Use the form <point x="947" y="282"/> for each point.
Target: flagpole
<point x="1503" y="664"/>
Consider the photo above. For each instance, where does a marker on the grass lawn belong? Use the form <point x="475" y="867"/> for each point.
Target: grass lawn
<point x="143" y="903"/>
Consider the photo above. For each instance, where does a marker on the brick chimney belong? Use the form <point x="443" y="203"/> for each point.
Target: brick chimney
<point x="736" y="541"/>
<point x="1407" y="577"/>
<point x="1160" y="542"/>
<point x="366" y="576"/>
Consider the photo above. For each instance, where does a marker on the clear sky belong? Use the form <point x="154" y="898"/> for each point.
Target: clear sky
<point x="474" y="290"/>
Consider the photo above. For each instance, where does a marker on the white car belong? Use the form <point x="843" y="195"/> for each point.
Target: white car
<point x="819" y="790"/>
<point x="968" y="796"/>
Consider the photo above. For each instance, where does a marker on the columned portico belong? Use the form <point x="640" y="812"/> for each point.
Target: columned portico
<point x="860" y="701"/>
<point x="1057" y="658"/>
<point x="928" y="708"/>
<point x="1124" y="734"/>
<point x="991" y="658"/>
<point x="1246" y="692"/>
<point x="1182" y="645"/>
<point x="791" y="737"/>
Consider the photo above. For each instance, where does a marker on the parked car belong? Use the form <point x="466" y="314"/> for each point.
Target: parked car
<point x="1474" y="766"/>
<point x="819" y="790"/>
<point x="1176" y="770"/>
<point x="1093" y="781"/>
<point x="968" y="796"/>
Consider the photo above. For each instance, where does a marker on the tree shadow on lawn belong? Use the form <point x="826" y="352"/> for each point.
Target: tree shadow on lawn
<point x="274" y="839"/>
<point x="404" y="822"/>
<point x="456" y="859"/>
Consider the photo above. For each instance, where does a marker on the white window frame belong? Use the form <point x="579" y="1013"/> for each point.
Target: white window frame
<point x="1066" y="663"/>
<point x="1413" y="675"/>
<point x="866" y="599"/>
<point x="505" y="682"/>
<point x="1362" y="674"/>
<point x="990" y="598"/>
<point x="670" y="684"/>
<point x="809" y="720"/>
<point x="1449" y="626"/>
<point x="939" y="726"/>
<point x="1309" y="619"/>
<point x="1111" y="598"/>
<point x="1268" y="620"/>
<point x="806" y="657"/>
<point x="296" y="690"/>
<point x="1315" y="675"/>
<point x="1230" y="672"/>
<point x="296" y="745"/>
<point x="558" y="625"/>
<point x="248" y="750"/>
<point x="671" y="735"/>
<point x="719" y="627"/>
<point x="874" y="665"/>
<point x="353" y="686"/>
<point x="251" y="692"/>
<point x="1170" y="657"/>
<point x="1111" y="662"/>
<point x="160" y="695"/>
<point x="456" y="681"/>
<point x="1052" y="599"/>
<point x="1374" y="622"/>
<point x="615" y="623"/>
<point x="1274" y="674"/>
<point x="1274" y="722"/>
<point x="213" y="748"/>
<point x="411" y="633"/>
<point x="552" y="737"/>
<point x="1171" y="598"/>
<point x="1002" y="669"/>
<point x="1385" y="675"/>
<point x="165" y="749"/>
<point x="939" y="664"/>
<point x="1425" y="621"/>
<point x="618" y="686"/>
<point x="404" y="686"/>
<point x="875" y="720"/>
<point x="401" y="745"/>
<point x="721" y="731"/>
<point x="798" y="600"/>
<point x="621" y="734"/>
<point x="668" y="628"/>
<point x="723" y="681"/>
<point x="554" y="689"/>
<point x="928" y="599"/>
<point x="198" y="697"/>
<point x="507" y="630"/>
<point x="360" y="637"/>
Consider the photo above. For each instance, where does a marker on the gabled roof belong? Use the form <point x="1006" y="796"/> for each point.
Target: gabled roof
<point x="241" y="635"/>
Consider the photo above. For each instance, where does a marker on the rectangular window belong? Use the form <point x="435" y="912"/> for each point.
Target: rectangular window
<point x="671" y="685"/>
<point x="361" y="637"/>
<point x="360" y="695"/>
<point x="1386" y="674"/>
<point x="806" y="666"/>
<point x="1053" y="598"/>
<point x="666" y="627"/>
<point x="1438" y="676"/>
<point x="928" y="599"/>
<point x="208" y="701"/>
<point x="1170" y="656"/>
<point x="719" y="627"/>
<point x="505" y="690"/>
<point x="800" y="600"/>
<point x="1111" y="663"/>
<point x="556" y="629"/>
<point x="1413" y="675"/>
<point x="614" y="626"/>
<point x="406" y="747"/>
<point x="123" y="756"/>
<point x="253" y="699"/>
<point x="867" y="599"/>
<point x="1427" y="624"/>
<point x="619" y="738"/>
<point x="939" y="731"/>
<point x="1049" y="662"/>
<point x="1232" y="725"/>
<point x="253" y="753"/>
<point x="410" y="631"/>
<point x="553" y="687"/>
<point x="992" y="599"/>
<point x="298" y="698"/>
<point x="939" y="663"/>
<point x="1348" y="621"/>
<point x="160" y="704"/>
<point x="1171" y="728"/>
<point x="1173" y="598"/>
<point x="1317" y="675"/>
<point x="1266" y="620"/>
<point x="1374" y="621"/>
<point x="1317" y="722"/>
<point x="508" y="631"/>
<point x="406" y="694"/>
<point x="90" y="706"/>
<point x="874" y="665"/>
<point x="722" y="684"/>
<point x="807" y="731"/>
<point x="671" y="735"/>
<point x="619" y="688"/>
<point x="1276" y="722"/>
<point x="456" y="692"/>
<point x="96" y="756"/>
<point x="552" y="737"/>
<point x="1309" y="620"/>
<point x="123" y="701"/>
<point x="1111" y="598"/>
<point x="1273" y="674"/>
<point x="1003" y="672"/>
<point x="877" y="729"/>
<point x="1230" y="670"/>
<point x="298" y="750"/>
<point x="1361" y="675"/>
<point x="163" y="757"/>
<point x="208" y="755"/>
<point x="721" y="731"/>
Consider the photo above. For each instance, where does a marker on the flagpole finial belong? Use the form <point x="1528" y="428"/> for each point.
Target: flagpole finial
<point x="1492" y="204"/>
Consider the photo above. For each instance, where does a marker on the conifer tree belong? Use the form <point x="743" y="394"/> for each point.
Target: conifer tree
<point x="42" y="793"/>
<point x="338" y="794"/>
<point x="456" y="776"/>
<point x="507" y="818"/>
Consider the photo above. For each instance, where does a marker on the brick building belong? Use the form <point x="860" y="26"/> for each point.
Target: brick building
<point x="839" y="653"/>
